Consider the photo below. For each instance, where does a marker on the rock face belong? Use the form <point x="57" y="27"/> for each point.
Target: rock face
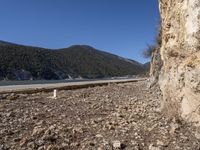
<point x="180" y="52"/>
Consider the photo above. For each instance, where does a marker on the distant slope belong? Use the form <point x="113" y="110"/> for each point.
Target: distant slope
<point x="147" y="66"/>
<point x="19" y="62"/>
<point x="3" y="43"/>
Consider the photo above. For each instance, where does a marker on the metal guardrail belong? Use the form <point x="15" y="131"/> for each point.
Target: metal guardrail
<point x="29" y="89"/>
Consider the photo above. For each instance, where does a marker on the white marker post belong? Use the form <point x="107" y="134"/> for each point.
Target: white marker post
<point x="55" y="94"/>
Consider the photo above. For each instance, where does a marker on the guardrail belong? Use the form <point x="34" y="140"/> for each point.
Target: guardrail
<point x="29" y="89"/>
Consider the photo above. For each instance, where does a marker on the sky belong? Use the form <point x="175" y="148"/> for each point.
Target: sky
<point x="121" y="27"/>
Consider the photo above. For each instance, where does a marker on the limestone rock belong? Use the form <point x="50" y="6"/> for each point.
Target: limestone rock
<point x="179" y="79"/>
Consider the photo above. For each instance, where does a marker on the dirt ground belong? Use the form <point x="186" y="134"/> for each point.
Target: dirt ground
<point x="116" y="116"/>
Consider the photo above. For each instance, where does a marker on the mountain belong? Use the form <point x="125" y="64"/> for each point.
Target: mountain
<point x="3" y="43"/>
<point x="18" y="62"/>
<point x="147" y="65"/>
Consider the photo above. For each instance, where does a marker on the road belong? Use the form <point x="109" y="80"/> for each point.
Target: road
<point x="32" y="88"/>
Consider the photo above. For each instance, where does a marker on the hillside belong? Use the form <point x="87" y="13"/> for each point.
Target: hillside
<point x="3" y="43"/>
<point x="18" y="62"/>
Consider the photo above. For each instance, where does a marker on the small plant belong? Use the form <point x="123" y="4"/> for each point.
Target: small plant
<point x="147" y="52"/>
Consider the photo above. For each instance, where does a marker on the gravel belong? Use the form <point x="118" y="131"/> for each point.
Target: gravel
<point x="116" y="116"/>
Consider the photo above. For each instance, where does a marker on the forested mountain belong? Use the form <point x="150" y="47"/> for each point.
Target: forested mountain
<point x="18" y="62"/>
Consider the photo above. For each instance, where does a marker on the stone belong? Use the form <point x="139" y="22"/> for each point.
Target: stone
<point x="174" y="127"/>
<point x="99" y="136"/>
<point x="50" y="147"/>
<point x="75" y="144"/>
<point x="40" y="122"/>
<point x="161" y="143"/>
<point x="40" y="142"/>
<point x="31" y="144"/>
<point x="116" y="144"/>
<point x="41" y="148"/>
<point x="152" y="147"/>
<point x="37" y="130"/>
<point x="64" y="144"/>
<point x="23" y="141"/>
<point x="197" y="135"/>
<point x="100" y="148"/>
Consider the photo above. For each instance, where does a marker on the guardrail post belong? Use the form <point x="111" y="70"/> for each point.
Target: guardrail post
<point x="55" y="93"/>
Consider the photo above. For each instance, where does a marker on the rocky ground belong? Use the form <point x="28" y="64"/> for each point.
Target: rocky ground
<point x="117" y="116"/>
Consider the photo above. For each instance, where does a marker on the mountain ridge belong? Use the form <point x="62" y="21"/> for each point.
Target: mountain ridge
<point x="20" y="62"/>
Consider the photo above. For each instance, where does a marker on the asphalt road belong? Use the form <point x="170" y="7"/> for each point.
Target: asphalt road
<point x="68" y="85"/>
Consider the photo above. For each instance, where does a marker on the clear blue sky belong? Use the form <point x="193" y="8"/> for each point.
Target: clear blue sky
<point x="122" y="27"/>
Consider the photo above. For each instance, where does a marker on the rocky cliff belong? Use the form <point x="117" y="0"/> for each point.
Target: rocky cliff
<point x="180" y="53"/>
